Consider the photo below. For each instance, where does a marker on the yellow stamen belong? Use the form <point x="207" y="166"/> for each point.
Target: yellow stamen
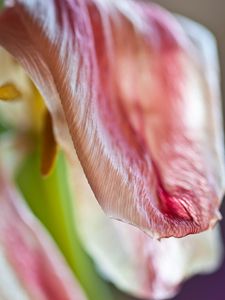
<point x="9" y="92"/>
<point x="49" y="146"/>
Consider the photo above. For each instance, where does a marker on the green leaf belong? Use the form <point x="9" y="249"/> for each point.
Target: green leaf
<point x="50" y="200"/>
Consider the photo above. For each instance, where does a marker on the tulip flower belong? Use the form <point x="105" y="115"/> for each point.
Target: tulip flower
<point x="131" y="93"/>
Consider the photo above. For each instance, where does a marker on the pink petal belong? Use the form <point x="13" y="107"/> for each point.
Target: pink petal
<point x="39" y="270"/>
<point x="138" y="101"/>
<point x="134" y="262"/>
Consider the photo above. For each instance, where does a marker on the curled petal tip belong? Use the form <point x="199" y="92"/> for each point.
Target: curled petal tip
<point x="214" y="220"/>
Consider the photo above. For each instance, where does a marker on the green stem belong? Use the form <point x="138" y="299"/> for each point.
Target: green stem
<point x="50" y="200"/>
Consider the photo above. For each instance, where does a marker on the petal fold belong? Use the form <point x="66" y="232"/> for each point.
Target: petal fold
<point x="131" y="84"/>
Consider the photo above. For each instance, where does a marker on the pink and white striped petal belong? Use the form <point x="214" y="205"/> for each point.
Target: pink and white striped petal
<point x="137" y="264"/>
<point x="134" y="91"/>
<point x="31" y="266"/>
